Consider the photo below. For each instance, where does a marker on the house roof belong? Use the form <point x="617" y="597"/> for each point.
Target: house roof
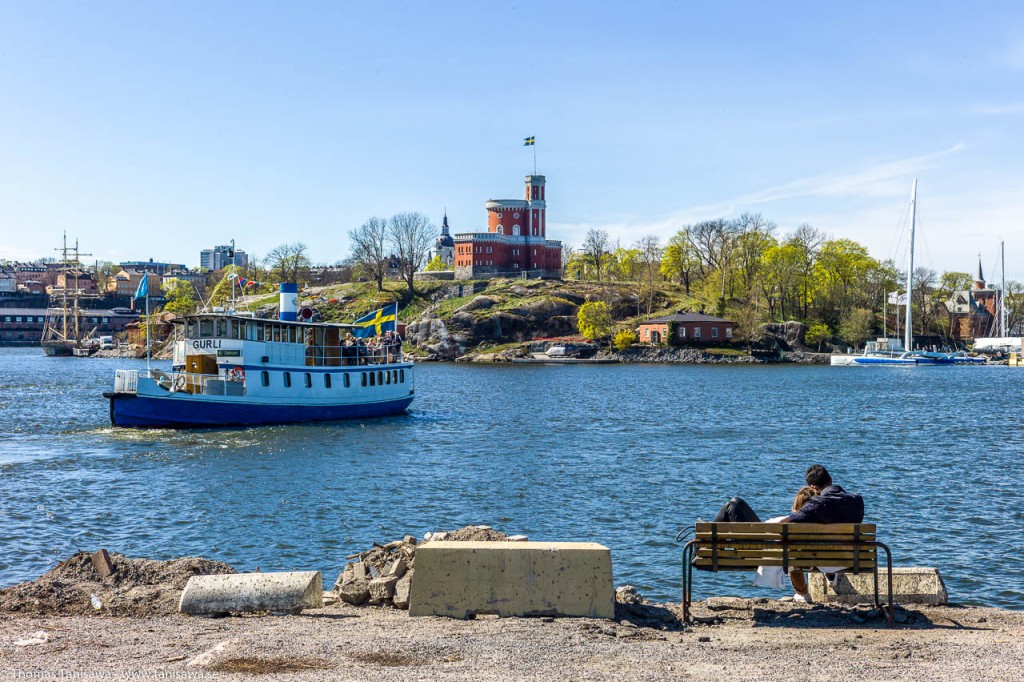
<point x="685" y="317"/>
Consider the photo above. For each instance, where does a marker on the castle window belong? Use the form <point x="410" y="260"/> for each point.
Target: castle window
<point x="515" y="215"/>
<point x="501" y="230"/>
<point x="499" y="214"/>
<point x="515" y="230"/>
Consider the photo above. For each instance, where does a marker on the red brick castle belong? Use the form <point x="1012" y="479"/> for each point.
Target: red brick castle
<point x="515" y="241"/>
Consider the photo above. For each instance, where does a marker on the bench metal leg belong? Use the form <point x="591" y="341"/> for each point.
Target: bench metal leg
<point x="687" y="580"/>
<point x="889" y="608"/>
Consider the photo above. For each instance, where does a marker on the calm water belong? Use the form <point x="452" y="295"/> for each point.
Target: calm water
<point x="623" y="455"/>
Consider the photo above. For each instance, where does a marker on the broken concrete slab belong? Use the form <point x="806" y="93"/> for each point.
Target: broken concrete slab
<point x="247" y="592"/>
<point x="909" y="585"/>
<point x="356" y="592"/>
<point x="402" y="589"/>
<point x="382" y="589"/>
<point x="458" y="579"/>
<point x="395" y="569"/>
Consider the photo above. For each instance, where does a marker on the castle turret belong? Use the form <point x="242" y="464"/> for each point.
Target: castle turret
<point x="537" y="222"/>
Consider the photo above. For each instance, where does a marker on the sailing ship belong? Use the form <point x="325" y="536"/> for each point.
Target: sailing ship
<point x="232" y="369"/>
<point x="889" y="351"/>
<point x="65" y="331"/>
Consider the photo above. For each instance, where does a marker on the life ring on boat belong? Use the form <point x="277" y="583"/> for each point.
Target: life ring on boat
<point x="179" y="383"/>
<point x="236" y="374"/>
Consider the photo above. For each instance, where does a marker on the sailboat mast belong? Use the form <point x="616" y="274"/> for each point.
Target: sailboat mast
<point x="908" y="340"/>
<point x="1002" y="291"/>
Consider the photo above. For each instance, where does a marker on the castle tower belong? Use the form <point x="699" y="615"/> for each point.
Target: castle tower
<point x="537" y="223"/>
<point x="444" y="246"/>
<point x="979" y="283"/>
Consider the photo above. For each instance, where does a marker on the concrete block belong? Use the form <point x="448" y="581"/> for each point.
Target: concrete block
<point x="458" y="579"/>
<point x="382" y="589"/>
<point x="102" y="563"/>
<point x="517" y="538"/>
<point x="402" y="588"/>
<point x="359" y="571"/>
<point x="909" y="586"/>
<point x="241" y="592"/>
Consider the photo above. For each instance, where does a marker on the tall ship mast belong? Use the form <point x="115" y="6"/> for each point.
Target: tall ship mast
<point x="64" y="332"/>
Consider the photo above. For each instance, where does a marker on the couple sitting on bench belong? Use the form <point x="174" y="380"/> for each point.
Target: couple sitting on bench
<point x="820" y="501"/>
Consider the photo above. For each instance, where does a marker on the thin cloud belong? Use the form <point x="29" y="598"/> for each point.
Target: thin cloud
<point x="998" y="109"/>
<point x="879" y="181"/>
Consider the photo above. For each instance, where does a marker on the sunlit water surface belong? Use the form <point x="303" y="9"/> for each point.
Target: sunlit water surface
<point x="624" y="455"/>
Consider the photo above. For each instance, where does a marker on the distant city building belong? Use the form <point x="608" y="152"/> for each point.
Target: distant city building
<point x="974" y="312"/>
<point x="8" y="282"/>
<point x="126" y="283"/>
<point x="689" y="328"/>
<point x="444" y="245"/>
<point x="221" y="256"/>
<point x="24" y="326"/>
<point x="515" y="241"/>
<point x="75" y="281"/>
<point x="155" y="267"/>
<point x="193" y="277"/>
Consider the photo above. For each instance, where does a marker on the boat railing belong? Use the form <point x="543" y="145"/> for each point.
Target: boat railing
<point x="126" y="381"/>
<point x="351" y="356"/>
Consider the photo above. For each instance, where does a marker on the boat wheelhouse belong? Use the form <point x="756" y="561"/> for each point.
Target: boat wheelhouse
<point x="236" y="370"/>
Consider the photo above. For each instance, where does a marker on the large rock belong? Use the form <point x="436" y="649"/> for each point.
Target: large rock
<point x="431" y="335"/>
<point x="478" y="303"/>
<point x="786" y="335"/>
<point x="356" y="592"/>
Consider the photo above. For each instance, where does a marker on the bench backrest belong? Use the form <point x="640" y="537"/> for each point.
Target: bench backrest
<point x="743" y="546"/>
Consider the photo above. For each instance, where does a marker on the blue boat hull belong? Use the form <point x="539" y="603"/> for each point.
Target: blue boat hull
<point x="141" y="411"/>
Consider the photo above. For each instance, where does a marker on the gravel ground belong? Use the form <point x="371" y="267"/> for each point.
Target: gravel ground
<point x="741" y="639"/>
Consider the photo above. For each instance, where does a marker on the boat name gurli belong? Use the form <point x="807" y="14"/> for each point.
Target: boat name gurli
<point x="200" y="344"/>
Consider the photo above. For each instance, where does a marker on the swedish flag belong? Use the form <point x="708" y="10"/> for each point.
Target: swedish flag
<point x="377" y="322"/>
<point x="529" y="141"/>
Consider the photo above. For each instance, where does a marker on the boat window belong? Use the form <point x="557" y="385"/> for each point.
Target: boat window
<point x="309" y="380"/>
<point x="222" y="328"/>
<point x="237" y="329"/>
<point x="261" y="332"/>
<point x="191" y="330"/>
<point x="347" y="381"/>
<point x="206" y="328"/>
<point x="380" y="378"/>
<point x="250" y="331"/>
<point x="401" y="373"/>
<point x="364" y="378"/>
<point x="387" y="377"/>
<point x="394" y="376"/>
<point x="287" y="379"/>
<point x="372" y="377"/>
<point x="276" y="333"/>
<point x="327" y="380"/>
<point x="287" y="334"/>
<point x="265" y="378"/>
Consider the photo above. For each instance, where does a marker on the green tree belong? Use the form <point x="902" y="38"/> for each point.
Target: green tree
<point x="436" y="265"/>
<point x="679" y="261"/>
<point x="624" y="338"/>
<point x="857" y="325"/>
<point x="816" y="334"/>
<point x="179" y="296"/>
<point x="595" y="320"/>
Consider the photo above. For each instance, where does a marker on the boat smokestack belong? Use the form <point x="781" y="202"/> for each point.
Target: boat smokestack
<point x="289" y="302"/>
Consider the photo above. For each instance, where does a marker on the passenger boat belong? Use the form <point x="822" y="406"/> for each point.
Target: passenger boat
<point x="237" y="370"/>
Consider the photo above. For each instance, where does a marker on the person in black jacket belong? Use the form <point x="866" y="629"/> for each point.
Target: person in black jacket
<point x="832" y="504"/>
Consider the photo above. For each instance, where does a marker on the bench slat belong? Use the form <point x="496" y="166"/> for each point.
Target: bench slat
<point x="792" y="528"/>
<point x="744" y="565"/>
<point x="867" y="554"/>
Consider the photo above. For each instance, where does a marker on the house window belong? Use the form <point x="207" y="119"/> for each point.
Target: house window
<point x="265" y="378"/>
<point x="682" y="332"/>
<point x="287" y="379"/>
<point x="696" y="332"/>
<point x="728" y="332"/>
<point x="327" y="380"/>
<point x="714" y="332"/>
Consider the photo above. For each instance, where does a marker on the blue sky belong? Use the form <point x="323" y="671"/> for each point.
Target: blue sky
<point x="156" y="129"/>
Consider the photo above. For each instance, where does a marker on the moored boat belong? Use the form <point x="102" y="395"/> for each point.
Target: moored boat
<point x="237" y="370"/>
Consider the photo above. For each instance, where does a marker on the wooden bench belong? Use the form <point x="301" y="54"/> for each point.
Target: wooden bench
<point x="804" y="546"/>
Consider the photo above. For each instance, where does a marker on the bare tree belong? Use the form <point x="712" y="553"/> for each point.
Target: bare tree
<point x="650" y="253"/>
<point x="809" y="240"/>
<point x="412" y="235"/>
<point x="369" y="249"/>
<point x="595" y="247"/>
<point x="288" y="262"/>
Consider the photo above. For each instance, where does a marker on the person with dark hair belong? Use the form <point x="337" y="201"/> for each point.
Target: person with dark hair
<point x="831" y="504"/>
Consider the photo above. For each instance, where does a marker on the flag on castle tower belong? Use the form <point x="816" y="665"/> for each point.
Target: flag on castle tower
<point x="529" y="141"/>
